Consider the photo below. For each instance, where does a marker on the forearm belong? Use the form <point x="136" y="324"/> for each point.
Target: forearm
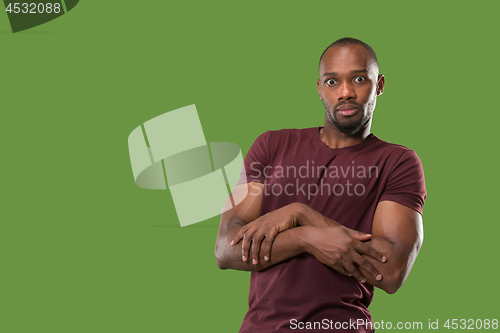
<point x="286" y="245"/>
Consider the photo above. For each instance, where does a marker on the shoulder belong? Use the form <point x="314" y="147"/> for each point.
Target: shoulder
<point x="290" y="138"/>
<point x="280" y="141"/>
<point x="395" y="151"/>
<point x="405" y="183"/>
<point x="290" y="133"/>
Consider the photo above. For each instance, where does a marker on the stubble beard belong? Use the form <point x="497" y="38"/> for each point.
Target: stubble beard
<point x="350" y="127"/>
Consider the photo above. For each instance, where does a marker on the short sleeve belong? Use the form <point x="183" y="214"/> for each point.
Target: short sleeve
<point x="406" y="183"/>
<point x="256" y="160"/>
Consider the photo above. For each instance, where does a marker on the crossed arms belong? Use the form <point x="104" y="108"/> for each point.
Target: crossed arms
<point x="250" y="242"/>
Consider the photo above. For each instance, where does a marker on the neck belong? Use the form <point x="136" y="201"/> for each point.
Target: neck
<point x="333" y="138"/>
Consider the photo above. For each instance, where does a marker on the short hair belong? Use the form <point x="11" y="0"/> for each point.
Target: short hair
<point x="350" y="41"/>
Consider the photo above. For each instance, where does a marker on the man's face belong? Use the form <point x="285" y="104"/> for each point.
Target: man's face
<point x="348" y="86"/>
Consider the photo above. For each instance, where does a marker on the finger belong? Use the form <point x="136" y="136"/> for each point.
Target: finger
<point x="245" y="246"/>
<point x="239" y="235"/>
<point x="256" y="242"/>
<point x="370" y="251"/>
<point x="353" y="271"/>
<point x="365" y="264"/>
<point x="361" y="236"/>
<point x="268" y="242"/>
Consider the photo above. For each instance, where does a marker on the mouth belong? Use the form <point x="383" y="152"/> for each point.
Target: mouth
<point x="347" y="110"/>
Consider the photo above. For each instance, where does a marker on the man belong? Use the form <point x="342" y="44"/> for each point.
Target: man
<point x="331" y="212"/>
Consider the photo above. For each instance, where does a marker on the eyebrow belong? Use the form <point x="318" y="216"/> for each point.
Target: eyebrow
<point x="354" y="71"/>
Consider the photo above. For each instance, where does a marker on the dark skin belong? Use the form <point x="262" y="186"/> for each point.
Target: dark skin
<point x="349" y="84"/>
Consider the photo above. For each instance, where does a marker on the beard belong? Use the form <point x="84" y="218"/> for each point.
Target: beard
<point x="349" y="127"/>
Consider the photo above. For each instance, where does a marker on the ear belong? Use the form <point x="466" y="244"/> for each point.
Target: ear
<point x="380" y="84"/>
<point x="318" y="85"/>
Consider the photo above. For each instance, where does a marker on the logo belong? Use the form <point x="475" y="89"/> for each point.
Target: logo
<point x="29" y="14"/>
<point x="171" y="151"/>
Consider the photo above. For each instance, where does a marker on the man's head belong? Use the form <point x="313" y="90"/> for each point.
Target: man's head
<point x="349" y="84"/>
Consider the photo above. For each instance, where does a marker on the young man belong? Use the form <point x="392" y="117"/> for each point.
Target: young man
<point x="331" y="212"/>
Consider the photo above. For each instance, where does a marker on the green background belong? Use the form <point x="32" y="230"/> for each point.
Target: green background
<point x="83" y="249"/>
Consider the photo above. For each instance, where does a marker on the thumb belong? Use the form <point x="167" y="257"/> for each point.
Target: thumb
<point x="361" y="236"/>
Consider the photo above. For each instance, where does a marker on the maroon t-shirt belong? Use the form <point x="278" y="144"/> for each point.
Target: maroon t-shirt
<point x="344" y="184"/>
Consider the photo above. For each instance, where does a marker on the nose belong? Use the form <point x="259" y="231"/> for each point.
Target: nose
<point x="346" y="91"/>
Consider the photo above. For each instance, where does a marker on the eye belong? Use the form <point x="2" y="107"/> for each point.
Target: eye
<point x="359" y="79"/>
<point x="330" y="82"/>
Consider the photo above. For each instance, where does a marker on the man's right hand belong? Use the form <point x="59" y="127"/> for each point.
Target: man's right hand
<point x="340" y="248"/>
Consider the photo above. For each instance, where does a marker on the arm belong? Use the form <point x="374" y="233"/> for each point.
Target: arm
<point x="396" y="227"/>
<point x="242" y="231"/>
<point x="397" y="231"/>
<point x="288" y="240"/>
<point x="286" y="245"/>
